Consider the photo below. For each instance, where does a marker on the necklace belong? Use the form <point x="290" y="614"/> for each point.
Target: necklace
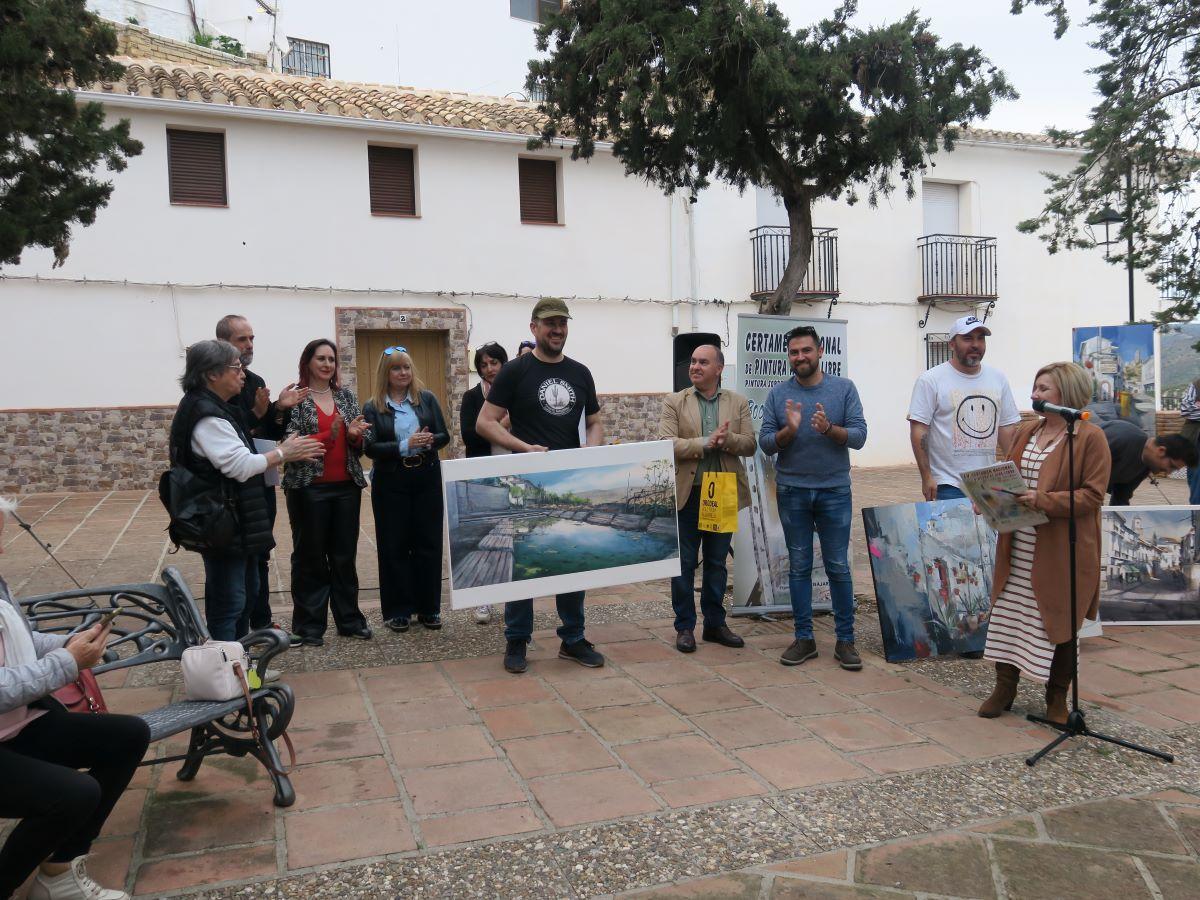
<point x="313" y="390"/>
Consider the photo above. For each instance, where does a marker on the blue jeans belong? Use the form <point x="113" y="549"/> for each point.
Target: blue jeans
<point x="228" y="582"/>
<point x="518" y="618"/>
<point x="716" y="575"/>
<point x="949" y="492"/>
<point x="827" y="511"/>
<point x="1194" y="485"/>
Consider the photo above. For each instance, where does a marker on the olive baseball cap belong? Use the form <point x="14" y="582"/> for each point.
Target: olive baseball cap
<point x="548" y="307"/>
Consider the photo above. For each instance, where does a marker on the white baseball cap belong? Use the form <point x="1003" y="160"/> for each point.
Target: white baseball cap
<point x="966" y="325"/>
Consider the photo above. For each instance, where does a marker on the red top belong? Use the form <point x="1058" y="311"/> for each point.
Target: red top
<point x="334" y="440"/>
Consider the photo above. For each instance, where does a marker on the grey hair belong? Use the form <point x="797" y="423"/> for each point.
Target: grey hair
<point x="225" y="326"/>
<point x="206" y="358"/>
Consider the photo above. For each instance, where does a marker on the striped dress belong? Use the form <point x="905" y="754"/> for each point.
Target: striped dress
<point x="1016" y="634"/>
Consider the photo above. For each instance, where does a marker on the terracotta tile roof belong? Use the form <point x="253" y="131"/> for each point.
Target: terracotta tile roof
<point x="294" y="93"/>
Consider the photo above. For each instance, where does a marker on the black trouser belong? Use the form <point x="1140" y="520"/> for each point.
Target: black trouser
<point x="324" y="521"/>
<point x="259" y="606"/>
<point x="61" y="809"/>
<point x="408" y="538"/>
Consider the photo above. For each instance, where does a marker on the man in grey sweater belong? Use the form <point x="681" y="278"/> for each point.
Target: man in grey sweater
<point x="811" y="421"/>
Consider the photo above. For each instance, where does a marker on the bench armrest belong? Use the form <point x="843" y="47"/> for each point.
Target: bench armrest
<point x="264" y="645"/>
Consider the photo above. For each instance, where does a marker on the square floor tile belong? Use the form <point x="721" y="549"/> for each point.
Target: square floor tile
<point x="708" y="696"/>
<point x="759" y="673"/>
<point x="592" y="797"/>
<point x="801" y="764"/>
<point x="675" y="757"/>
<point x="532" y="718"/>
<point x="603" y="692"/>
<point x="811" y="699"/>
<point x="976" y="738"/>
<point x="557" y="754"/>
<point x="421" y="749"/>
<point x="470" y="785"/>
<point x="423" y="715"/>
<point x="709" y="789"/>
<point x="458" y="828"/>
<point x="675" y="671"/>
<point x="618" y="724"/>
<point x="347" y="832"/>
<point x="748" y="727"/>
<point x="861" y="731"/>
<point x="506" y="691"/>
<point x="905" y="759"/>
<point x="343" y="781"/>
<point x="907" y="707"/>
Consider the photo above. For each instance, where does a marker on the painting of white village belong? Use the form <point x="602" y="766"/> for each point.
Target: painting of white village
<point x="538" y="525"/>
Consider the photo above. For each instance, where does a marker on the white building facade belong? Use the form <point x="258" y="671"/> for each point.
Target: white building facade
<point x="296" y="248"/>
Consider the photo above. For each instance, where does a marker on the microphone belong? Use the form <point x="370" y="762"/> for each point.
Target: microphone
<point x="1067" y="412"/>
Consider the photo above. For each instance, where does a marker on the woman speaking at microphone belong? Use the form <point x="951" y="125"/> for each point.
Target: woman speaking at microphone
<point x="1031" y="632"/>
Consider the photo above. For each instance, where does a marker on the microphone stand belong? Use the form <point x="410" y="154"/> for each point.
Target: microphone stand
<point x="1076" y="725"/>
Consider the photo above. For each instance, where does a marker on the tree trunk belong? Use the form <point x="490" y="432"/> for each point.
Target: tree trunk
<point x="799" y="210"/>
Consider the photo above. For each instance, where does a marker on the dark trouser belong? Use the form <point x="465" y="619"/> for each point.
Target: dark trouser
<point x="229" y="583"/>
<point x="1193" y="480"/>
<point x="259" y="603"/>
<point x="518" y="618"/>
<point x="716" y="575"/>
<point x="407" y="504"/>
<point x="949" y="492"/>
<point x="324" y="521"/>
<point x="61" y="809"/>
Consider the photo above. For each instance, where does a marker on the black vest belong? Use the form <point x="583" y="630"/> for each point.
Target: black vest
<point x="253" y="516"/>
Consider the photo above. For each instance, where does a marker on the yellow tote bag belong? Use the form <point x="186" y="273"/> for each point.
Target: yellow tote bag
<point x="718" y="502"/>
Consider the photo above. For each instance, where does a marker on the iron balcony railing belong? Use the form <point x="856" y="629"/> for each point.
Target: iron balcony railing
<point x="957" y="266"/>
<point x="769" y="244"/>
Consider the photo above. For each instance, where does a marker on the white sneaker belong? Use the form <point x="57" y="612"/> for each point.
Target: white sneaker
<point x="483" y="614"/>
<point x="73" y="884"/>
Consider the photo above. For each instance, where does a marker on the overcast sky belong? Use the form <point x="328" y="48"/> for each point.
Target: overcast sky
<point x="1051" y="76"/>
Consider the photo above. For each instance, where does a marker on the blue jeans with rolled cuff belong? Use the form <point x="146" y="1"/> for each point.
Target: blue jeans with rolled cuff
<point x="827" y="513"/>
<point x="518" y="618"/>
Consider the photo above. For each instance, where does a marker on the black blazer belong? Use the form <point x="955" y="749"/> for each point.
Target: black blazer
<point x="380" y="443"/>
<point x="468" y="415"/>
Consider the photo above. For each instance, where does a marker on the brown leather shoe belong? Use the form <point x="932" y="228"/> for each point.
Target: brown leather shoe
<point x="847" y="656"/>
<point x="685" y="642"/>
<point x="799" y="651"/>
<point x="1058" y="684"/>
<point x="1004" y="693"/>
<point x="723" y="635"/>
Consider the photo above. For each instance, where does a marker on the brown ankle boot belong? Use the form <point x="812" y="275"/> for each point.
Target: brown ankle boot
<point x="1004" y="693"/>
<point x="1058" y="684"/>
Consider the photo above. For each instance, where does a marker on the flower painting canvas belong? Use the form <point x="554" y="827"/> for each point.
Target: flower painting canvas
<point x="533" y="524"/>
<point x="932" y="564"/>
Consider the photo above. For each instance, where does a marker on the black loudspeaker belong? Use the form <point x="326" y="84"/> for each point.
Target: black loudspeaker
<point x="684" y="344"/>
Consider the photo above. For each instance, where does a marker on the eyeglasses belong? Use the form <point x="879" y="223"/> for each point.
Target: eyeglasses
<point x="237" y="366"/>
<point x="397" y="349"/>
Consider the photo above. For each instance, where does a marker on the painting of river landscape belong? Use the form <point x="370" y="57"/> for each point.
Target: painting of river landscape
<point x="534" y="524"/>
<point x="932" y="564"/>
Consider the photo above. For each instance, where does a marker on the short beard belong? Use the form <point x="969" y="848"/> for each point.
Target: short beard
<point x="246" y="358"/>
<point x="547" y="350"/>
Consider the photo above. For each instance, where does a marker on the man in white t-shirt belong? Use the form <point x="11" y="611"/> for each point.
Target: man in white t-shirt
<point x="960" y="412"/>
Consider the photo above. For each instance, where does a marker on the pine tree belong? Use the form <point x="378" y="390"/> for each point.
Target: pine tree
<point x="50" y="144"/>
<point x="1141" y="150"/>
<point x="692" y="90"/>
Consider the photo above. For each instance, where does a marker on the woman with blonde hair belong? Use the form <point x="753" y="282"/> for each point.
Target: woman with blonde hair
<point x="1031" y="631"/>
<point x="406" y="430"/>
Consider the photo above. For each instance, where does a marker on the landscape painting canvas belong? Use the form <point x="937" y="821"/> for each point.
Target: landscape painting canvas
<point x="1120" y="361"/>
<point x="1180" y="361"/>
<point x="932" y="564"/>
<point x="533" y="524"/>
<point x="1151" y="565"/>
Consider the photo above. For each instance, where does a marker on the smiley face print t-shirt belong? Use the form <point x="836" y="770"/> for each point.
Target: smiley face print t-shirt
<point x="965" y="414"/>
<point x="545" y="400"/>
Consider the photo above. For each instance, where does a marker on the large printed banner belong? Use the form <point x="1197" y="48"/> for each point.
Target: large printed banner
<point x="762" y="363"/>
<point x="533" y="524"/>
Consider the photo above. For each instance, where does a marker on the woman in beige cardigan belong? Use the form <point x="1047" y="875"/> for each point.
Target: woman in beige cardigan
<point x="1030" y="631"/>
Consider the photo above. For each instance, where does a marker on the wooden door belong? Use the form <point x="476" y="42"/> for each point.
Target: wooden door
<point x="429" y="352"/>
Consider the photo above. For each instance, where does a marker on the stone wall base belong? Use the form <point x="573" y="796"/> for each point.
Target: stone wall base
<point x="125" y="448"/>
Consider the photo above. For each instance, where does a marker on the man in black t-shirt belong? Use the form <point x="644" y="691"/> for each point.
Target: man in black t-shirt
<point x="544" y="394"/>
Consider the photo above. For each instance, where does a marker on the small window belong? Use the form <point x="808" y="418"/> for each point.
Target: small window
<point x="393" y="183"/>
<point x="539" y="190"/>
<point x="196" y="167"/>
<point x="533" y="10"/>
<point x="937" y="349"/>
<point x="306" y="58"/>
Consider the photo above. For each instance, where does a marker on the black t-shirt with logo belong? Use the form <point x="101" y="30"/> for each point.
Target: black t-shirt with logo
<point x="545" y="400"/>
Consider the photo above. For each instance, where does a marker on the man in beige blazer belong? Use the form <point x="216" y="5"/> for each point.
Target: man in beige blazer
<point x="710" y="427"/>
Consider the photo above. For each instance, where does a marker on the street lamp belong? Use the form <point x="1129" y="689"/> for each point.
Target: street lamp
<point x="1109" y="217"/>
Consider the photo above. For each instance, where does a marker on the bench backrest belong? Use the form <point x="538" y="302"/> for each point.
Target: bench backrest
<point x="157" y="622"/>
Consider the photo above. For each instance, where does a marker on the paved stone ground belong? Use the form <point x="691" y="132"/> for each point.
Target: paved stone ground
<point x="425" y="770"/>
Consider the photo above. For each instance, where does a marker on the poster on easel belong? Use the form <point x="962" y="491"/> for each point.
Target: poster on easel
<point x="762" y="363"/>
<point x="1120" y="361"/>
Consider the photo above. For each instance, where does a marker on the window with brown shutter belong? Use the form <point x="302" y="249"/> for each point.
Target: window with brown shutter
<point x="393" y="184"/>
<point x="539" y="190"/>
<point x="196" y="167"/>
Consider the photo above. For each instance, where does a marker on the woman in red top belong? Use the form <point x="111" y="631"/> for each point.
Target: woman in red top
<point x="323" y="501"/>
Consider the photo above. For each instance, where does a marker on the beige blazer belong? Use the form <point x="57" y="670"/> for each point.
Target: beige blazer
<point x="680" y="424"/>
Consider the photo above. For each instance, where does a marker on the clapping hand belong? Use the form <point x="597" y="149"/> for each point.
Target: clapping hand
<point x="819" y="422"/>
<point x="717" y="439"/>
<point x="795" y="414"/>
<point x="290" y="396"/>
<point x="300" y="447"/>
<point x="421" y="440"/>
<point x="356" y="429"/>
<point x="262" y="402"/>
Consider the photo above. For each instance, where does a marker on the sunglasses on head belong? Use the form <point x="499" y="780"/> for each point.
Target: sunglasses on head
<point x="529" y="344"/>
<point x="397" y="349"/>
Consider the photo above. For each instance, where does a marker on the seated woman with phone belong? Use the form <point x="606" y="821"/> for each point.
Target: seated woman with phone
<point x="43" y="747"/>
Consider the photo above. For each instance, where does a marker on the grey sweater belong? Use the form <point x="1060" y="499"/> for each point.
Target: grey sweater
<point x="55" y="667"/>
<point x="814" y="460"/>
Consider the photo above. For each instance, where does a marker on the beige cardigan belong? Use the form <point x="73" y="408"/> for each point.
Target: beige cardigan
<point x="680" y="423"/>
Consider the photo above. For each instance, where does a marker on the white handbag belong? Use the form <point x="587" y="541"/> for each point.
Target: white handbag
<point x="215" y="670"/>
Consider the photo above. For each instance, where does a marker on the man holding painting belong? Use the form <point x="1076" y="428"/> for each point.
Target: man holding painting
<point x="544" y="393"/>
<point x="710" y="428"/>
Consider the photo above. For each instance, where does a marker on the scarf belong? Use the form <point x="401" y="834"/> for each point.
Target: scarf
<point x="18" y="645"/>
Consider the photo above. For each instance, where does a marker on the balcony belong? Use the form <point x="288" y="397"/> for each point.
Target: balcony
<point x="769" y="244"/>
<point x="957" y="271"/>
